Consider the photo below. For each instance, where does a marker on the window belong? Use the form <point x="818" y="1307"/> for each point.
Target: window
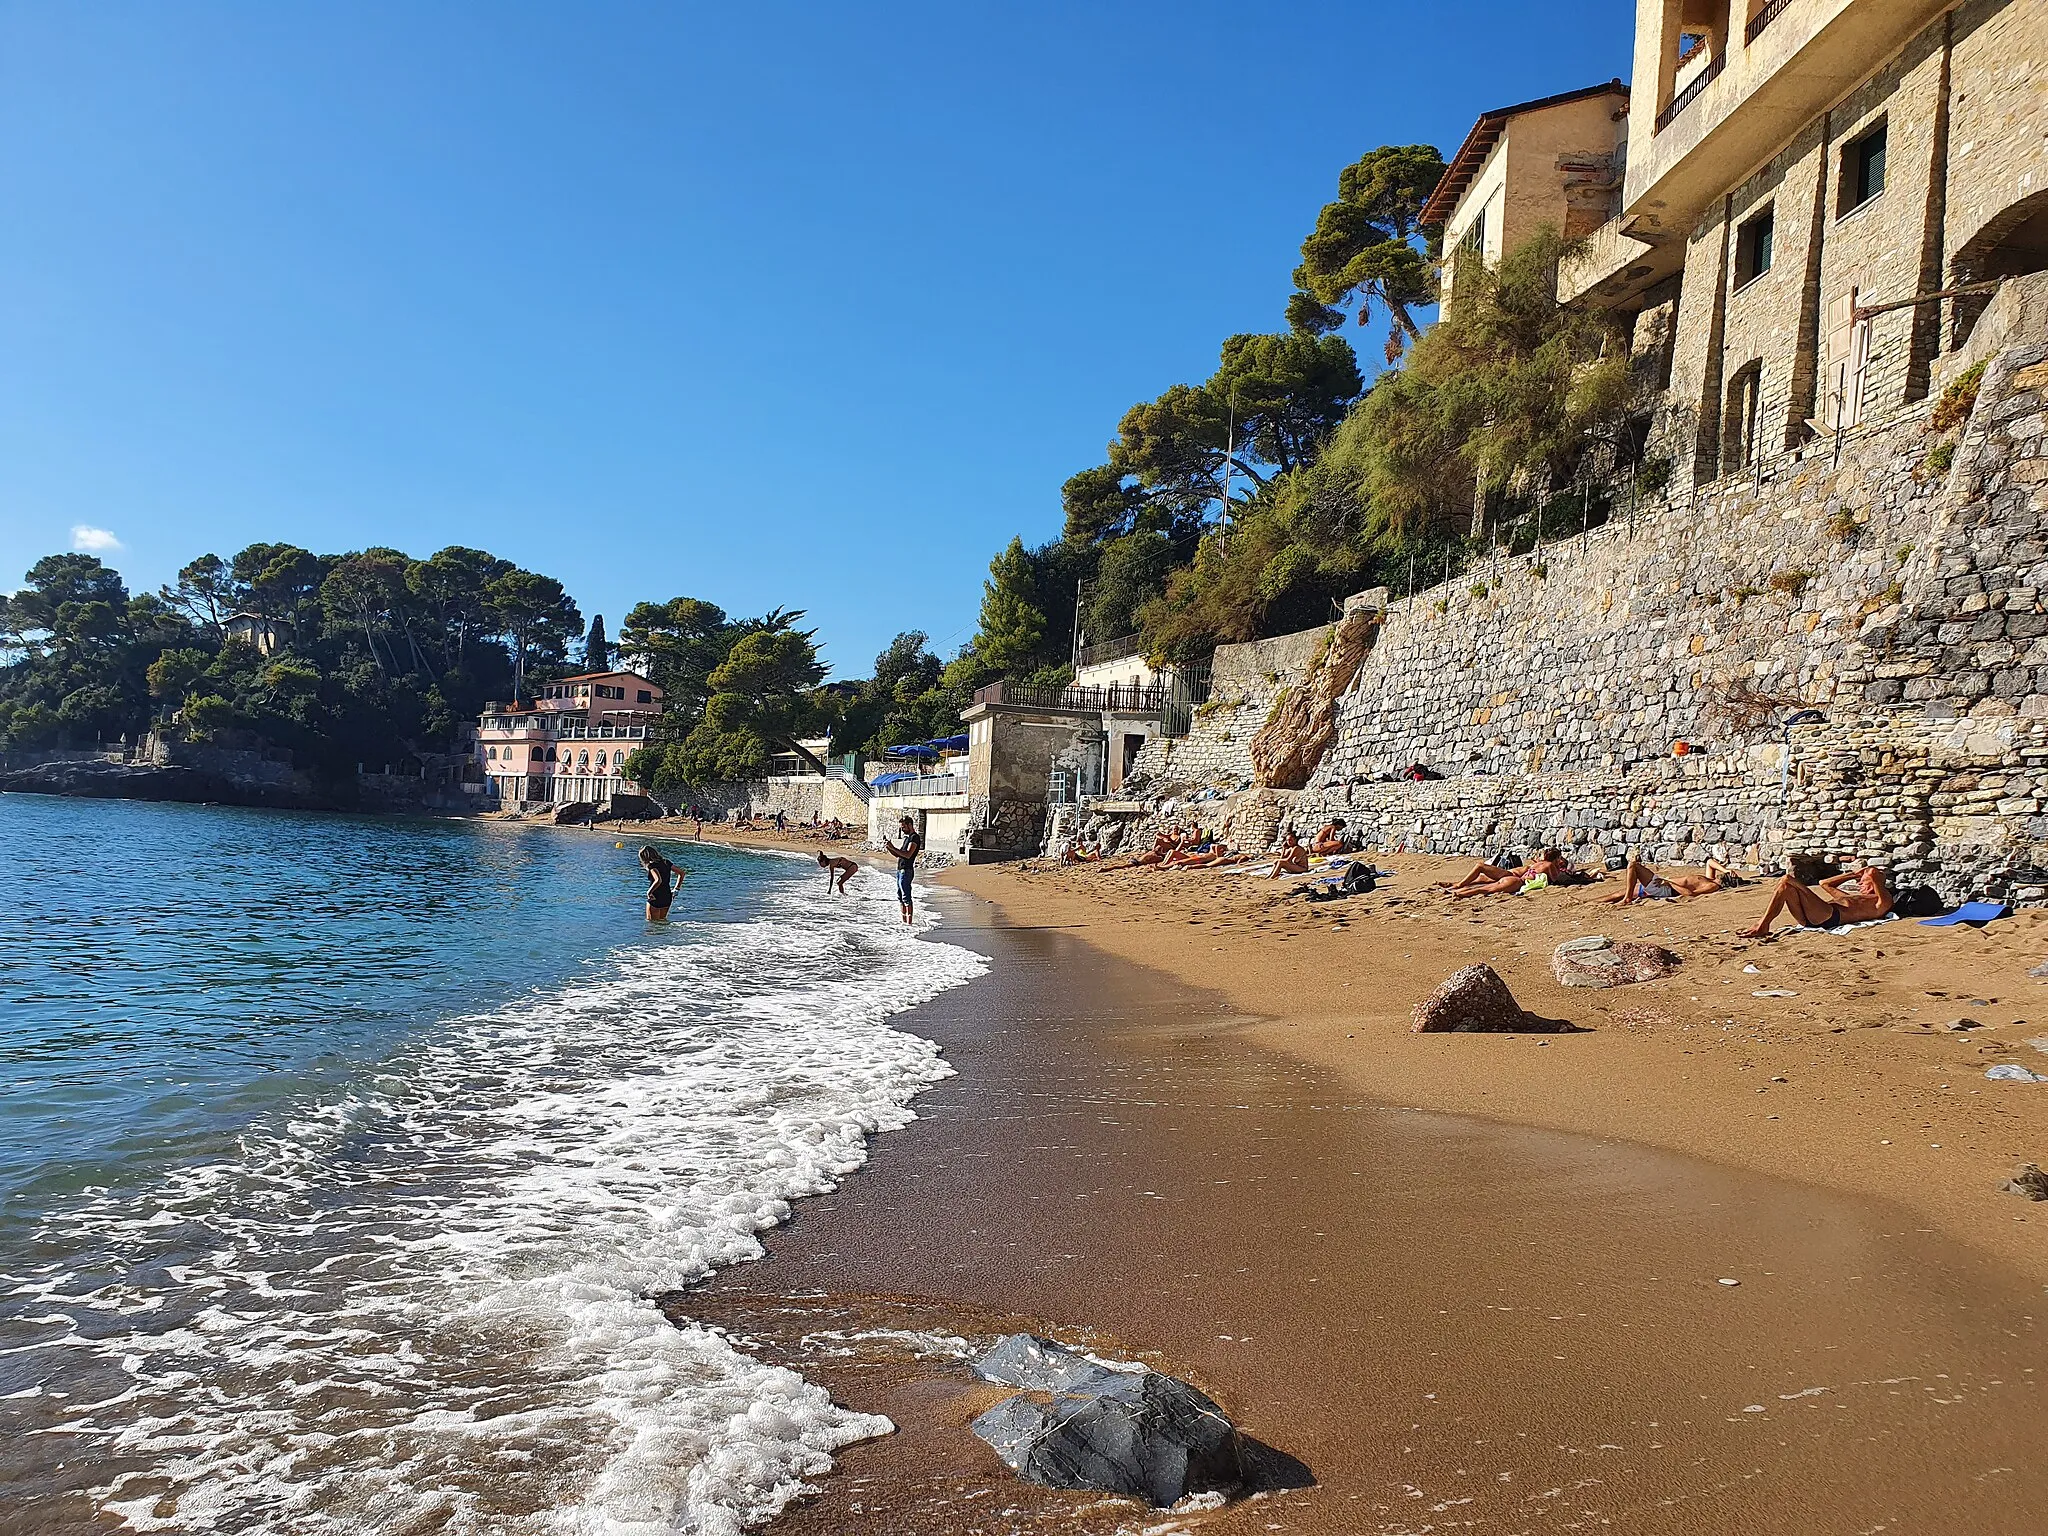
<point x="1863" y="169"/>
<point x="1753" y="246"/>
<point x="1474" y="238"/>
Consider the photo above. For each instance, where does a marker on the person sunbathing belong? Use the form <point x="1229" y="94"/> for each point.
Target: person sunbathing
<point x="1861" y="896"/>
<point x="1330" y="840"/>
<point x="1640" y="882"/>
<point x="1487" y="880"/>
<point x="1292" y="858"/>
<point x="1164" y="842"/>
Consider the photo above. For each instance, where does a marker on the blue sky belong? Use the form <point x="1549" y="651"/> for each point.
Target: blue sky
<point x="768" y="304"/>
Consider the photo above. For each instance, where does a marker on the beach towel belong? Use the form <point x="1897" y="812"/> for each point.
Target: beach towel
<point x="1889" y="917"/>
<point x="1975" y="913"/>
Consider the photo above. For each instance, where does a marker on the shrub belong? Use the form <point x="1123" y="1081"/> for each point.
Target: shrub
<point x="1957" y="401"/>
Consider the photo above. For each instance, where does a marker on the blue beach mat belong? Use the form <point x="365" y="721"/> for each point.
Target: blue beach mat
<point x="1972" y="912"/>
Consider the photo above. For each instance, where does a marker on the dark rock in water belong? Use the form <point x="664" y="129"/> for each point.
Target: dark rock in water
<point x="1136" y="1433"/>
<point x="1476" y="1001"/>
<point x="1038" y="1365"/>
<point x="1599" y="961"/>
<point x="2028" y="1180"/>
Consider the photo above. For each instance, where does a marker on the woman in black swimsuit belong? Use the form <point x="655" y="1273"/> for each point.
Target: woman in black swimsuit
<point x="659" y="890"/>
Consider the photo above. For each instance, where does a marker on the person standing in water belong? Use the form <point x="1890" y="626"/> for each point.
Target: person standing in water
<point x="906" y="862"/>
<point x="837" y="871"/>
<point x="662" y="879"/>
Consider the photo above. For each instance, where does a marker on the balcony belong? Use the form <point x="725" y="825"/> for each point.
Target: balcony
<point x="1794" y="58"/>
<point x="1611" y="268"/>
<point x="923" y="785"/>
<point x="1113" y="698"/>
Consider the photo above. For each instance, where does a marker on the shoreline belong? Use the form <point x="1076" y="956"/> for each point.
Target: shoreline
<point x="1447" y="1319"/>
<point x="1850" y="1085"/>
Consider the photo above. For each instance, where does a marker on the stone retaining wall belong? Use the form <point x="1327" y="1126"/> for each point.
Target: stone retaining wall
<point x="1245" y="681"/>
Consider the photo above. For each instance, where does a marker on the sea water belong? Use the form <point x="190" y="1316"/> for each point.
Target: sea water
<point x="342" y="1161"/>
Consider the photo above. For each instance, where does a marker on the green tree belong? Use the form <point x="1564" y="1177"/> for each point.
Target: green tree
<point x="206" y="592"/>
<point x="1013" y="626"/>
<point x="678" y="644"/>
<point x="279" y="581"/>
<point x="536" y="616"/>
<point x="1364" y="247"/>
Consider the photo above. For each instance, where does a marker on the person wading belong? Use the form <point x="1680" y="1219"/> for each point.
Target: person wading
<point x="906" y="861"/>
<point x="662" y="879"/>
<point x="837" y="871"/>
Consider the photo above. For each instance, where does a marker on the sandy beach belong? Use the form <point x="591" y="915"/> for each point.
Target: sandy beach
<point x="1847" y="1077"/>
<point x="1462" y="1280"/>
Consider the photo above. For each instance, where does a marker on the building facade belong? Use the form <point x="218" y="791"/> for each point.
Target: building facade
<point x="1557" y="162"/>
<point x="1821" y="198"/>
<point x="571" y="742"/>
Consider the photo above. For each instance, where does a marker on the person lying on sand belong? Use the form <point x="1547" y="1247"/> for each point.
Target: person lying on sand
<point x="1292" y="858"/>
<point x="1639" y="882"/>
<point x="1330" y="840"/>
<point x="1861" y="896"/>
<point x="1163" y="843"/>
<point x="837" y="870"/>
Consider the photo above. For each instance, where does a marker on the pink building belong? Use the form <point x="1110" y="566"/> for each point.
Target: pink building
<point x="571" y="742"/>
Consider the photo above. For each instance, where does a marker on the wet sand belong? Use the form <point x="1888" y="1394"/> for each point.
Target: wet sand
<point x="1455" y="1324"/>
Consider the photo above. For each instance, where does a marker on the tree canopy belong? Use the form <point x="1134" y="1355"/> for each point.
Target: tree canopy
<point x="1363" y="249"/>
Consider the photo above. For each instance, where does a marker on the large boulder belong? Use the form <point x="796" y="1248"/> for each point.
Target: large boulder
<point x="1127" y="1431"/>
<point x="1475" y="1001"/>
<point x="1598" y="961"/>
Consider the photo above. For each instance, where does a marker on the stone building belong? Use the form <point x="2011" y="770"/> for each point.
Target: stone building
<point x="1814" y="191"/>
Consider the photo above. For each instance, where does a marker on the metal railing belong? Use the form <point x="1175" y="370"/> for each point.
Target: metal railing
<point x="1109" y="650"/>
<point x="925" y="784"/>
<point x="1691" y="93"/>
<point x="1762" y="19"/>
<point x="1187" y="690"/>
<point x="1119" y="698"/>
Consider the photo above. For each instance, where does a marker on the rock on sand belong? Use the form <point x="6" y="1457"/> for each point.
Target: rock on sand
<point x="1598" y="961"/>
<point x="1475" y="1001"/>
<point x="1133" y="1432"/>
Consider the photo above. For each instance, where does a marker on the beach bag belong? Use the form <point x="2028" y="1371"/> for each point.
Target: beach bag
<point x="1918" y="901"/>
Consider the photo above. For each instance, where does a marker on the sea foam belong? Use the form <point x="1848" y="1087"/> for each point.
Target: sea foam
<point x="428" y="1303"/>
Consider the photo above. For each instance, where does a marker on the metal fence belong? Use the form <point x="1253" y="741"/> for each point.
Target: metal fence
<point x="1109" y="650"/>
<point x="1117" y="698"/>
<point x="1691" y="93"/>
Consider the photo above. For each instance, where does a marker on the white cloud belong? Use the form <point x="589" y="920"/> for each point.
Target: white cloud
<point x="94" y="540"/>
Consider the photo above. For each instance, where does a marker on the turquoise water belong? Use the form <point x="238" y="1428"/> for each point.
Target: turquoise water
<point x="341" y="1159"/>
<point x="168" y="972"/>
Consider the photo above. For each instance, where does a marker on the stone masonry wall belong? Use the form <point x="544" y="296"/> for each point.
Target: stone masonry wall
<point x="1245" y="681"/>
<point x="1904" y="605"/>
